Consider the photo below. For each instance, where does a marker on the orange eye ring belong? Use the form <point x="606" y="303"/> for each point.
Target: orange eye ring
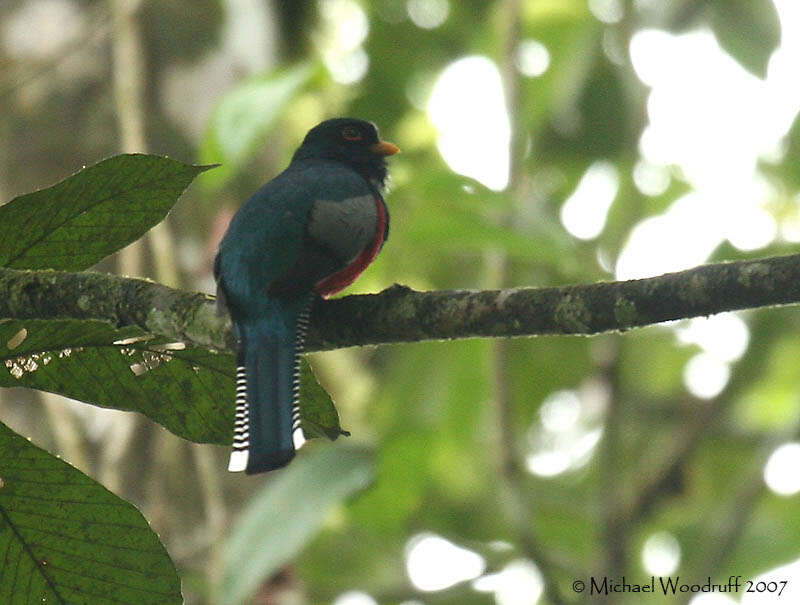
<point x="351" y="134"/>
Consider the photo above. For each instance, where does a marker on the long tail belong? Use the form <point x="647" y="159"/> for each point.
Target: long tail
<point x="267" y="396"/>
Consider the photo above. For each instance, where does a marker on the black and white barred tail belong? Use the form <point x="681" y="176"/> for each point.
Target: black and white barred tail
<point x="267" y="425"/>
<point x="241" y="424"/>
<point x="300" y="341"/>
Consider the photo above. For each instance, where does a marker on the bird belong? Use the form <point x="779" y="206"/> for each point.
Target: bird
<point x="307" y="233"/>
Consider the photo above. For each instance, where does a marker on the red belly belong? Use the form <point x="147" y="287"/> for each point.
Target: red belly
<point x="341" y="279"/>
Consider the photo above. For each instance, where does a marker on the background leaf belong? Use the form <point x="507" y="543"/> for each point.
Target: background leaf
<point x="84" y="218"/>
<point x="245" y="115"/>
<point x="67" y="539"/>
<point x="287" y="512"/>
<point x="748" y="30"/>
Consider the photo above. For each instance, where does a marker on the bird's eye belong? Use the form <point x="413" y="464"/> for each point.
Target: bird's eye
<point x="351" y="134"/>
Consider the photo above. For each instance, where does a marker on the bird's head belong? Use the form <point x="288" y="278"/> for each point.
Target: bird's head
<point x="350" y="141"/>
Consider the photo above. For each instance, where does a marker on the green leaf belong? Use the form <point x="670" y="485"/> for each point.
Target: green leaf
<point x="785" y="172"/>
<point x="188" y="390"/>
<point x="245" y="115"/>
<point x="286" y="514"/>
<point x="748" y="30"/>
<point x="777" y="384"/>
<point x="458" y="230"/>
<point x="84" y="218"/>
<point x="67" y="539"/>
<point x="773" y="531"/>
<point x="318" y="414"/>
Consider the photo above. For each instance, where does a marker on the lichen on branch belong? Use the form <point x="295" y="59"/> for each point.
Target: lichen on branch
<point x="399" y="314"/>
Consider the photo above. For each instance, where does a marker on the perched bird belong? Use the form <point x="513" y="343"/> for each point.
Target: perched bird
<point x="311" y="231"/>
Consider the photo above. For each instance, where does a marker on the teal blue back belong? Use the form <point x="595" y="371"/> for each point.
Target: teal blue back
<point x="266" y="236"/>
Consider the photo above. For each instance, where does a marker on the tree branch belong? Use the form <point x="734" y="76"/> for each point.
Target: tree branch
<point x="399" y="314"/>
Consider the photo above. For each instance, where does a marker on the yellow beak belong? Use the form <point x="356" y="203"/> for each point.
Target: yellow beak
<point x="384" y="148"/>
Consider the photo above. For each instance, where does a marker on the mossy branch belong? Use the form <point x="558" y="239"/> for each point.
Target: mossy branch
<point x="399" y="314"/>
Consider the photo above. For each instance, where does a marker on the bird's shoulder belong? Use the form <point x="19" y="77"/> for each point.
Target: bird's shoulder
<point x="296" y="189"/>
<point x="322" y="179"/>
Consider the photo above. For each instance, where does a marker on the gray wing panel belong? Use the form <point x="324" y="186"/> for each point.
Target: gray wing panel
<point x="344" y="227"/>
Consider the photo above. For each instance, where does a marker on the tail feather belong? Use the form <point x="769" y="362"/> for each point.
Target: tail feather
<point x="241" y="424"/>
<point x="267" y="422"/>
<point x="300" y="337"/>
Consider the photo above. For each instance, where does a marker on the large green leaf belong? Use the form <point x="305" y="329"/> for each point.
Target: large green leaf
<point x="188" y="390"/>
<point x="77" y="222"/>
<point x="67" y="539"/>
<point x="287" y="513"/>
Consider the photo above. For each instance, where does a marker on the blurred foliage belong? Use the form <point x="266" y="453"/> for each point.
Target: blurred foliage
<point x="290" y="510"/>
<point x="666" y="461"/>
<point x="237" y="130"/>
<point x="201" y="23"/>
